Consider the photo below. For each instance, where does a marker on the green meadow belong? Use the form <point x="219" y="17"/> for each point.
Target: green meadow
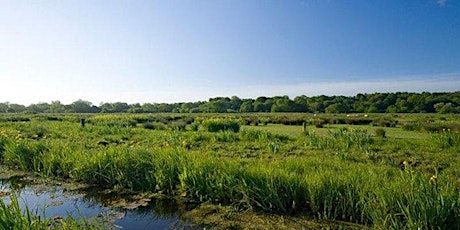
<point x="377" y="171"/>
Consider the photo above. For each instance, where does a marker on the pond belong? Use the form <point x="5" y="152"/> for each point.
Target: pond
<point x="53" y="199"/>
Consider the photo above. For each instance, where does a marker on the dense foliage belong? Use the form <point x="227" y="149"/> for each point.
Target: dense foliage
<point x="400" y="102"/>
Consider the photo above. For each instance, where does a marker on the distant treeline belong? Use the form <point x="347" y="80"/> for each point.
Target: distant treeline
<point x="401" y="102"/>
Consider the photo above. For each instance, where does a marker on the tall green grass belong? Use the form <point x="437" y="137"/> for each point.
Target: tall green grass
<point x="221" y="124"/>
<point x="183" y="164"/>
<point x="341" y="139"/>
<point x="12" y="217"/>
<point x="447" y="139"/>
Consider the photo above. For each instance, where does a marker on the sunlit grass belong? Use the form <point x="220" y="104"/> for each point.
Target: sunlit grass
<point x="339" y="172"/>
<point x="295" y="130"/>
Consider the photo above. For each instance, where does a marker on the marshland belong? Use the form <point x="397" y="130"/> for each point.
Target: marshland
<point x="237" y="114"/>
<point x="258" y="170"/>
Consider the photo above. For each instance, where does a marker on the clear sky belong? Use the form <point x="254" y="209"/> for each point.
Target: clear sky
<point x="190" y="50"/>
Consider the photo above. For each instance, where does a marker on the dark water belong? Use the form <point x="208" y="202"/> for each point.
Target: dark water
<point x="53" y="200"/>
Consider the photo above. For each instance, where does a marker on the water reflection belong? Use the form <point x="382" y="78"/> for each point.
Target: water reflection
<point x="51" y="200"/>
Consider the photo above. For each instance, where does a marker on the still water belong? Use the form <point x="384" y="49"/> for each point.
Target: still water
<point x="54" y="200"/>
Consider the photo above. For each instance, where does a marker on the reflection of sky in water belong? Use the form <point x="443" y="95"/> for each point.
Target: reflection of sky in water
<point x="54" y="202"/>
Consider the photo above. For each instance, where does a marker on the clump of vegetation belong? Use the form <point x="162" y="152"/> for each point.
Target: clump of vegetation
<point x="380" y="132"/>
<point x="341" y="139"/>
<point x="178" y="125"/>
<point x="447" y="139"/>
<point x="12" y="217"/>
<point x="385" y="122"/>
<point x="432" y="127"/>
<point x="154" y="126"/>
<point x="194" y="126"/>
<point x="318" y="123"/>
<point x="221" y="124"/>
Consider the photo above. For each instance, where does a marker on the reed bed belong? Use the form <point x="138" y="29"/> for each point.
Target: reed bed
<point x="295" y="176"/>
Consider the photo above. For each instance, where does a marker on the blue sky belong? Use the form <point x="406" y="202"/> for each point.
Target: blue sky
<point x="190" y="50"/>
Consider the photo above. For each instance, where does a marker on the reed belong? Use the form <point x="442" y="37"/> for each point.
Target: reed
<point x="259" y="170"/>
<point x="13" y="217"/>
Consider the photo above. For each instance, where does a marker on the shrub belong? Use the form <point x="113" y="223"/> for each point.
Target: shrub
<point x="154" y="126"/>
<point x="411" y="126"/>
<point x="178" y="125"/>
<point x="385" y="122"/>
<point x="380" y="132"/>
<point x="319" y="123"/>
<point x="252" y="120"/>
<point x="264" y="121"/>
<point x="433" y="127"/>
<point x="221" y="124"/>
<point x="194" y="126"/>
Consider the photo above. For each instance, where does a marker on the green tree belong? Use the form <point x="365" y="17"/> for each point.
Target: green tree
<point x="217" y="105"/>
<point x="301" y="103"/>
<point x="16" y="108"/>
<point x="4" y="107"/>
<point x="38" y="108"/>
<point x="260" y="106"/>
<point x="81" y="106"/>
<point x="235" y="103"/>
<point x="246" y="106"/>
<point x="148" y="108"/>
<point x="444" y="107"/>
<point x="57" y="107"/>
<point x="135" y="108"/>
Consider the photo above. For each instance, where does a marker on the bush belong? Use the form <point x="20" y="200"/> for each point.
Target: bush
<point x="385" y="122"/>
<point x="194" y="126"/>
<point x="178" y="125"/>
<point x="412" y="126"/>
<point x="380" y="132"/>
<point x="221" y="124"/>
<point x="435" y="127"/>
<point x="319" y="123"/>
<point x="154" y="126"/>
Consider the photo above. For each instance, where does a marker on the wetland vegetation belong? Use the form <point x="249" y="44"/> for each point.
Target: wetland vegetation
<point x="291" y="170"/>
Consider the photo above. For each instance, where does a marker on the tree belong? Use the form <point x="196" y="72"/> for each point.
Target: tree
<point x="260" y="106"/>
<point x="4" y="107"/>
<point x="57" y="107"/>
<point x="38" y="108"/>
<point x="235" y="103"/>
<point x="16" y="108"/>
<point x="120" y="107"/>
<point x="217" y="105"/>
<point x="246" y="106"/>
<point x="400" y="102"/>
<point x="135" y="108"/>
<point x="444" y="107"/>
<point x="301" y="103"/>
<point x="282" y="104"/>
<point x="81" y="106"/>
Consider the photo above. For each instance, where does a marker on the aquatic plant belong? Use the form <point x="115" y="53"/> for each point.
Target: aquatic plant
<point x="13" y="217"/>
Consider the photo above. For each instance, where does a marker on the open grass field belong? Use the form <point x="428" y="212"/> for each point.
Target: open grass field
<point x="395" y="172"/>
